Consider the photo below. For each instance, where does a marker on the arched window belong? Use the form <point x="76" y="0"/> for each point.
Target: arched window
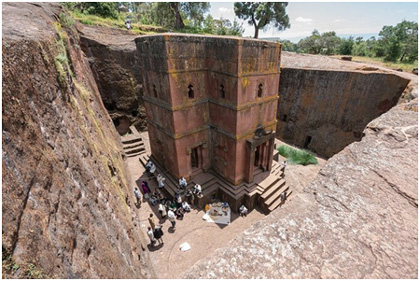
<point x="190" y="91"/>
<point x="154" y="91"/>
<point x="260" y="90"/>
<point x="222" y="91"/>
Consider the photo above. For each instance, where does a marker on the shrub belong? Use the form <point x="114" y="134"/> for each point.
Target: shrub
<point x="295" y="156"/>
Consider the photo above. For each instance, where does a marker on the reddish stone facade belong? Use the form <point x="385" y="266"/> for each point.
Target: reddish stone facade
<point x="211" y="103"/>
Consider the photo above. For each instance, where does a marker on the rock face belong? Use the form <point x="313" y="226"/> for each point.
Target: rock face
<point x="64" y="180"/>
<point x="324" y="103"/>
<point x="115" y="65"/>
<point x="358" y="219"/>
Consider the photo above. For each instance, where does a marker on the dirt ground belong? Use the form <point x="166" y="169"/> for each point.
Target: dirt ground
<point x="168" y="260"/>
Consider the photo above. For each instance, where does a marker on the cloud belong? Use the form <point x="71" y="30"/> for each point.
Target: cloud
<point x="338" y="20"/>
<point x="304" y="20"/>
<point x="224" y="10"/>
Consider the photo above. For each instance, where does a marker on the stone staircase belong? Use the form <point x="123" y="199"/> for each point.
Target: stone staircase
<point x="133" y="144"/>
<point x="271" y="189"/>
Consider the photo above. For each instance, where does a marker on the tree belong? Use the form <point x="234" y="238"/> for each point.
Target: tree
<point x="346" y="46"/>
<point x="400" y="42"/>
<point x="103" y="9"/>
<point x="261" y="14"/>
<point x="173" y="14"/>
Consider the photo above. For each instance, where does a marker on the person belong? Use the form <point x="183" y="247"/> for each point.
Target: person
<point x="243" y="211"/>
<point x="161" y="181"/>
<point x="162" y="210"/>
<point x="178" y="200"/>
<point x="146" y="189"/>
<point x="283" y="196"/>
<point x="283" y="166"/>
<point x="158" y="233"/>
<point x="179" y="213"/>
<point x="171" y="218"/>
<point x="190" y="196"/>
<point x="151" y="236"/>
<point x="148" y="165"/>
<point x="128" y="24"/>
<point x="137" y="194"/>
<point x="186" y="207"/>
<point x="182" y="183"/>
<point x="152" y="168"/>
<point x="152" y="222"/>
<point x="197" y="189"/>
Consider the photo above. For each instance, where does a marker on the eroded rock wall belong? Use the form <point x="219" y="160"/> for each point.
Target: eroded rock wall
<point x="325" y="107"/>
<point x="358" y="219"/>
<point x="115" y="65"/>
<point x="64" y="211"/>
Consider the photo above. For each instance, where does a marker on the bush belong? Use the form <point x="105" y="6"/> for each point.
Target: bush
<point x="295" y="156"/>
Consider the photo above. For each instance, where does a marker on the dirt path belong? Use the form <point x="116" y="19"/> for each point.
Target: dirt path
<point x="204" y="238"/>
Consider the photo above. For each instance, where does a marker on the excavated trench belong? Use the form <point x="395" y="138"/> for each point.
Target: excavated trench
<point x="324" y="104"/>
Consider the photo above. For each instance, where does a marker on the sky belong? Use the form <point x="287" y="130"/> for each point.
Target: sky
<point x="345" y="18"/>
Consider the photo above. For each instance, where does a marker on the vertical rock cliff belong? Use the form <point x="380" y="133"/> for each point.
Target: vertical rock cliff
<point x="64" y="180"/>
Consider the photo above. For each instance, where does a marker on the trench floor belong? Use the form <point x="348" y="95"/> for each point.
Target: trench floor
<point x="169" y="262"/>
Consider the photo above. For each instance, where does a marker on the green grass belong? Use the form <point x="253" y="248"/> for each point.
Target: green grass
<point x="300" y="157"/>
<point x="136" y="28"/>
<point x="408" y="67"/>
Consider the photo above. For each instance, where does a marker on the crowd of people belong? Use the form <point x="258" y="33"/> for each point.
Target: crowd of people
<point x="167" y="208"/>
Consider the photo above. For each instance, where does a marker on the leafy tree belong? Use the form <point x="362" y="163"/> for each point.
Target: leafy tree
<point x="173" y="14"/>
<point x="261" y="14"/>
<point x="103" y="9"/>
<point x="400" y="42"/>
<point x="288" y="46"/>
<point x="311" y="44"/>
<point x="326" y="44"/>
<point x="346" y="46"/>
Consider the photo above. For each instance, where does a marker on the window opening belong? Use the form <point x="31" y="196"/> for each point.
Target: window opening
<point x="260" y="90"/>
<point x="222" y="91"/>
<point x="285" y="117"/>
<point x="190" y="91"/>
<point x="154" y="91"/>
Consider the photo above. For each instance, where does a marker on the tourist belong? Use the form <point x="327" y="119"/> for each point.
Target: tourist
<point x="158" y="233"/>
<point x="152" y="222"/>
<point x="197" y="189"/>
<point x="179" y="213"/>
<point x="148" y="165"/>
<point x="162" y="210"/>
<point x="161" y="181"/>
<point x="186" y="207"/>
<point x="190" y="196"/>
<point x="182" y="183"/>
<point x="146" y="189"/>
<point x="283" y="196"/>
<point x="283" y="166"/>
<point x="171" y="218"/>
<point x="137" y="194"/>
<point x="178" y="200"/>
<point x="128" y="24"/>
<point x="243" y="211"/>
<point x="152" y="169"/>
<point x="151" y="236"/>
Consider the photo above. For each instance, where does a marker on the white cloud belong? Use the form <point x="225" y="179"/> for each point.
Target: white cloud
<point x="224" y="10"/>
<point x="304" y="20"/>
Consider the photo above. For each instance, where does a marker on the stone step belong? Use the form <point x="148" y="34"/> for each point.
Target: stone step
<point x="131" y="139"/>
<point x="272" y="189"/>
<point x="132" y="145"/>
<point x="135" y="150"/>
<point x="276" y="195"/>
<point x="277" y="203"/>
<point x="136" y="154"/>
